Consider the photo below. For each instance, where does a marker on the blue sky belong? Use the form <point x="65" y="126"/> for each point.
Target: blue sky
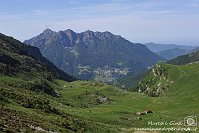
<point x="159" y="21"/>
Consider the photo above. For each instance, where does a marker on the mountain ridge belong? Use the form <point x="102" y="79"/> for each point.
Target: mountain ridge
<point x="186" y="59"/>
<point x="89" y="53"/>
<point x="161" y="47"/>
<point x="173" y="53"/>
<point x="15" y="54"/>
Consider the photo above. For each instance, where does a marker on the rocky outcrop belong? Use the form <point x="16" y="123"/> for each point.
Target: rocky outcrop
<point x="155" y="83"/>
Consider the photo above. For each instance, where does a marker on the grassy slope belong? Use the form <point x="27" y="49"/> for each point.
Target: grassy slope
<point x="181" y="97"/>
<point x="21" y="60"/>
<point x="179" y="100"/>
<point x="77" y="108"/>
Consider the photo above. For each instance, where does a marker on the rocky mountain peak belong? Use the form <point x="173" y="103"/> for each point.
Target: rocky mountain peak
<point x="71" y="34"/>
<point x="107" y="33"/>
<point x="88" y="33"/>
<point x="69" y="31"/>
<point x="48" y="31"/>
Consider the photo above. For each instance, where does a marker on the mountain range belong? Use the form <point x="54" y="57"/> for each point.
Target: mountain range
<point x="186" y="59"/>
<point x="161" y="47"/>
<point x="170" y="51"/>
<point x="101" y="56"/>
<point x="173" y="53"/>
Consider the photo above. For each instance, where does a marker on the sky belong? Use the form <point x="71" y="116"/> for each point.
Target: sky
<point x="143" y="21"/>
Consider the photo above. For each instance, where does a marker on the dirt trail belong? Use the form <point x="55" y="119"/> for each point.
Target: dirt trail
<point x="182" y="71"/>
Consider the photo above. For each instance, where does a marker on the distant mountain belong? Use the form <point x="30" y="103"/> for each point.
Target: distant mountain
<point x="18" y="59"/>
<point x="186" y="59"/>
<point x="173" y="53"/>
<point x="162" y="47"/>
<point x="102" y="56"/>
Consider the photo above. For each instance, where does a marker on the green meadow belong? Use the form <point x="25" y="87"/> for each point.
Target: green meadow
<point x="77" y="106"/>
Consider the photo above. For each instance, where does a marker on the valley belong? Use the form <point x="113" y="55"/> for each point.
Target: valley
<point x="77" y="107"/>
<point x="99" y="66"/>
<point x="36" y="96"/>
